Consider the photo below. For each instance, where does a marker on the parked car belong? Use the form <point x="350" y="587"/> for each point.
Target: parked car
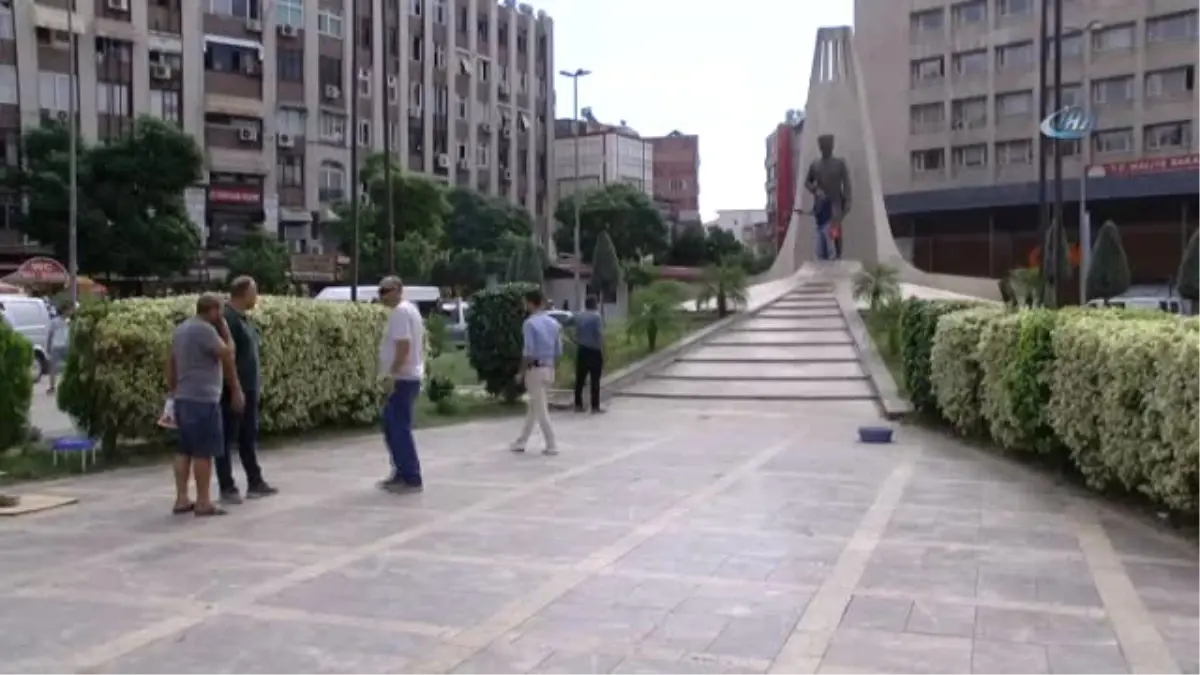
<point x="562" y="316"/>
<point x="1166" y="304"/>
<point x="456" y="313"/>
<point x="30" y="317"/>
<point x="426" y="298"/>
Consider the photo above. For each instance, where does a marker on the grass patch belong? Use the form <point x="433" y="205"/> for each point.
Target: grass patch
<point x="623" y="349"/>
<point x="454" y="364"/>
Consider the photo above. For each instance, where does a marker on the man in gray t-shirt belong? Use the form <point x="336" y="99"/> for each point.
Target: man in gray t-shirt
<point x="201" y="358"/>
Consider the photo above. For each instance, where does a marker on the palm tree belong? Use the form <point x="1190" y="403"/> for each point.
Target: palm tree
<point x="725" y="283"/>
<point x="878" y="284"/>
<point x="654" y="310"/>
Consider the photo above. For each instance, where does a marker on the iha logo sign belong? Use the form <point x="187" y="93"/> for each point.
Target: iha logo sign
<point x="1069" y="124"/>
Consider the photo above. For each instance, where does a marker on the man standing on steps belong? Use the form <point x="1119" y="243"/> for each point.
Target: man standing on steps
<point x="542" y="348"/>
<point x="589" y="354"/>
<point x="241" y="427"/>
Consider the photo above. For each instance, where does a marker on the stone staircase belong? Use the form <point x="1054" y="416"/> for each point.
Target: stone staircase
<point x="796" y="348"/>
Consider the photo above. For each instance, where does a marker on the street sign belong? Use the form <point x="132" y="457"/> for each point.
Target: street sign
<point x="1069" y="124"/>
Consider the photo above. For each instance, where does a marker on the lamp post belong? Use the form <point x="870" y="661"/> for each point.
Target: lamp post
<point x="352" y="132"/>
<point x="575" y="75"/>
<point x="1085" y="220"/>
<point x="72" y="162"/>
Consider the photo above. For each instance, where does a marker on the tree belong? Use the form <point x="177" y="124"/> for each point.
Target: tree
<point x="1189" y="270"/>
<point x="726" y="284"/>
<point x="690" y="247"/>
<point x="1108" y="273"/>
<point x="483" y="223"/>
<point x="877" y="284"/>
<point x="263" y="258"/>
<point x="528" y="264"/>
<point x="721" y="246"/>
<point x="462" y="270"/>
<point x="131" y="216"/>
<point x="606" y="269"/>
<point x="654" y="310"/>
<point x="415" y="256"/>
<point x="635" y="224"/>
<point x="1056" y="268"/>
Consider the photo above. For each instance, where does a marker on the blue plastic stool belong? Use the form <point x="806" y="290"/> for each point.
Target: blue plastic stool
<point x="84" y="447"/>
<point x="874" y="435"/>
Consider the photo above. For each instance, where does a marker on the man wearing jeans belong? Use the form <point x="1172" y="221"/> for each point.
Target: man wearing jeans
<point x="543" y="347"/>
<point x="401" y="362"/>
<point x="241" y="429"/>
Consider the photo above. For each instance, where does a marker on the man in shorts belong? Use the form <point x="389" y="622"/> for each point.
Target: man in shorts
<point x="202" y="357"/>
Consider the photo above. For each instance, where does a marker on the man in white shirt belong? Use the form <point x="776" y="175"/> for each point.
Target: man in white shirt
<point x="401" y="361"/>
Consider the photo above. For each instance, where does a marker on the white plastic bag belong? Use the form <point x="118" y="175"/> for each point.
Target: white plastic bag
<point x="166" y="419"/>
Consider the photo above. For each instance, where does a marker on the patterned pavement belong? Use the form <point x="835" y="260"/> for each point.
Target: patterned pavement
<point x="667" y="537"/>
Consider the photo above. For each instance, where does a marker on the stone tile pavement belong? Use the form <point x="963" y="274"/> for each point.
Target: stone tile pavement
<point x="668" y="537"/>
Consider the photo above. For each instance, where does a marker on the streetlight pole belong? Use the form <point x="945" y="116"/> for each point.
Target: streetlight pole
<point x="386" y="92"/>
<point x="72" y="163"/>
<point x="575" y="193"/>
<point x="352" y="92"/>
<point x="1085" y="219"/>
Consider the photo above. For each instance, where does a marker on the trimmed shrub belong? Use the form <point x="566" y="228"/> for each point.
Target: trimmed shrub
<point x="955" y="372"/>
<point x="319" y="364"/>
<point x="1187" y="279"/>
<point x="918" y="323"/>
<point x="998" y="343"/>
<point x="494" y="338"/>
<point x="1108" y="272"/>
<point x="16" y="372"/>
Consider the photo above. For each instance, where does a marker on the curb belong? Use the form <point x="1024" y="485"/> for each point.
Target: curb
<point x="893" y="404"/>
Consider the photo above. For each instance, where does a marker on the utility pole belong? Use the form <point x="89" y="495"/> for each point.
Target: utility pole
<point x="576" y="194"/>
<point x="1043" y="142"/>
<point x="1085" y="218"/>
<point x="73" y="162"/>
<point x="385" y="92"/>
<point x="352" y="92"/>
<point x="1057" y="219"/>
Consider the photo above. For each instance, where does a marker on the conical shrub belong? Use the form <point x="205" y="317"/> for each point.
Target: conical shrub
<point x="1189" y="270"/>
<point x="1108" y="272"/>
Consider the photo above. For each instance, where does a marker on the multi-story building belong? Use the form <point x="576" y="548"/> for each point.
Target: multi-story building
<point x="782" y="164"/>
<point x="952" y="93"/>
<point x="677" y="175"/>
<point x="607" y="154"/>
<point x="744" y="224"/>
<point x="266" y="87"/>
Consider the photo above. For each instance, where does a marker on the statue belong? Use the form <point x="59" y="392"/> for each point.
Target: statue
<point x="828" y="180"/>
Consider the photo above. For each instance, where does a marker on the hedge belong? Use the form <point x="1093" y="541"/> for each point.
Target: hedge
<point x="1111" y="393"/>
<point x="16" y="394"/>
<point x="319" y="364"/>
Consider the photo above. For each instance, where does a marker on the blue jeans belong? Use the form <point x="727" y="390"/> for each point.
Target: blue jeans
<point x="200" y="430"/>
<point x="826" y="246"/>
<point x="398" y="414"/>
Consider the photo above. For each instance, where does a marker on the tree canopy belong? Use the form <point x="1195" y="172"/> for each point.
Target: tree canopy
<point x="634" y="223"/>
<point x="606" y="268"/>
<point x="131" y="216"/>
<point x="262" y="257"/>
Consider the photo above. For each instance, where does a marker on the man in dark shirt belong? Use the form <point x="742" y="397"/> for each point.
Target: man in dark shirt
<point x="241" y="429"/>
<point x="589" y="354"/>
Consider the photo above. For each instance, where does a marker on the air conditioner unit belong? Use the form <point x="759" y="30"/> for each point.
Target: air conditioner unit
<point x="119" y="5"/>
<point x="285" y="140"/>
<point x="364" y="74"/>
<point x="507" y="133"/>
<point x="248" y="134"/>
<point x="508" y="174"/>
<point x="393" y="81"/>
<point x="332" y="92"/>
<point x="287" y="30"/>
<point x="160" y="71"/>
<point x="62" y="115"/>
<point x="443" y="161"/>
<point x="485" y="127"/>
<point x="253" y="26"/>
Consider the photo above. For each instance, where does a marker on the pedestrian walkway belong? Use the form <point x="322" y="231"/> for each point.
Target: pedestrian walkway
<point x="670" y="536"/>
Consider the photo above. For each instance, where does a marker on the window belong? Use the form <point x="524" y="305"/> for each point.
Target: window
<point x="329" y="22"/>
<point x="1014" y="104"/>
<point x="461" y="104"/>
<point x="523" y="82"/>
<point x="971" y="64"/>
<point x="393" y="90"/>
<point x="439" y="56"/>
<point x="1072" y="94"/>
<point x="483" y="154"/>
<point x="238" y="9"/>
<point x="485" y="69"/>
<point x="331" y="127"/>
<point x="331" y="182"/>
<point x="364" y="82"/>
<point x="165" y="105"/>
<point x="54" y="90"/>
<point x="462" y="151"/>
<point x="417" y="48"/>
<point x="1171" y="28"/>
<point x="1171" y="83"/>
<point x="1116" y="38"/>
<point x="1014" y="152"/>
<point x="364" y="132"/>
<point x="8" y="85"/>
<point x="1169" y="136"/>
<point x="290" y="13"/>
<point x="6" y="23"/>
<point x="329" y="71"/>
<point x="441" y="100"/>
<point x="929" y="161"/>
<point x="222" y="58"/>
<point x="927" y="118"/>
<point x="925" y="71"/>
<point x="1113" y="141"/>
<point x="969" y="14"/>
<point x="1014" y="8"/>
<point x="1015" y="57"/>
<point x="290" y="63"/>
<point x="439" y="11"/>
<point x="415" y="6"/>
<point x="290" y="121"/>
<point x="1072" y="46"/>
<point x="969" y="156"/>
<point x="415" y="95"/>
<point x="1113" y="91"/>
<point x="926" y="24"/>
<point x="112" y="99"/>
<point x="969" y="113"/>
<point x="290" y="170"/>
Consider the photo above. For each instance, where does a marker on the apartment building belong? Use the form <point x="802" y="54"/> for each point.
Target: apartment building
<point x="677" y="175"/>
<point x="606" y="154"/>
<point x="744" y="224"/>
<point x="266" y="87"/>
<point x="782" y="164"/>
<point x="952" y="90"/>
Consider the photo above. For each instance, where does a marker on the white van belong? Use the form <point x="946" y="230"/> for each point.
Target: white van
<point x="426" y="298"/>
<point x="30" y="317"/>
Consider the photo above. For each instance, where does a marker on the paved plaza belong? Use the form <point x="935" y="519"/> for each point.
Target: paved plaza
<point x="667" y="537"/>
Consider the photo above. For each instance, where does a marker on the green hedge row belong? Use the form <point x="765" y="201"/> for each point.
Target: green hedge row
<point x="1112" y="393"/>
<point x="16" y="386"/>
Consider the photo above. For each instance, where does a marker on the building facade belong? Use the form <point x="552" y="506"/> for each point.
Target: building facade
<point x="266" y="88"/>
<point x="952" y="91"/>
<point x="607" y="154"/>
<point x="782" y="163"/>
<point x="677" y="175"/>
<point x="744" y="224"/>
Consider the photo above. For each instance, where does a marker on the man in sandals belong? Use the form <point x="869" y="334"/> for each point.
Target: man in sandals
<point x="202" y="356"/>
